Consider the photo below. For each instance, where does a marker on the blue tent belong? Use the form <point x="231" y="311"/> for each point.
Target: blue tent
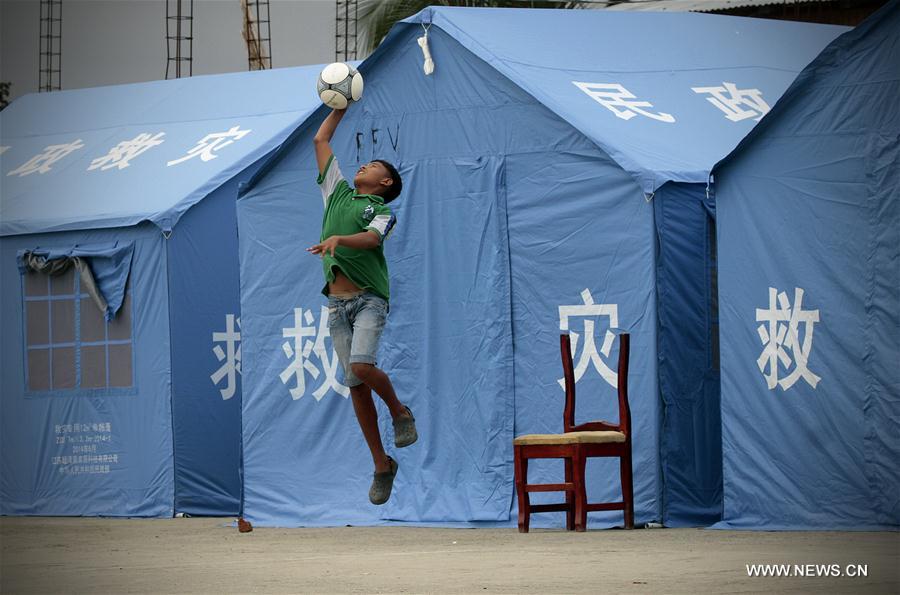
<point x="809" y="221"/>
<point x="555" y="171"/>
<point x="129" y="406"/>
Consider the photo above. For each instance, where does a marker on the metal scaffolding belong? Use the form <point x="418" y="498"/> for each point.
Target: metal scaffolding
<point x="257" y="34"/>
<point x="346" y="14"/>
<point x="179" y="38"/>
<point x="49" y="52"/>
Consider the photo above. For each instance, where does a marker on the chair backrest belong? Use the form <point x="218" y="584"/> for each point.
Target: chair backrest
<point x="624" y="425"/>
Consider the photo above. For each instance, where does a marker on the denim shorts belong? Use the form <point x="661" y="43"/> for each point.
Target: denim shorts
<point x="355" y="325"/>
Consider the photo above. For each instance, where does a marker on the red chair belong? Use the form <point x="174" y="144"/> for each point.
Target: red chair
<point x="575" y="445"/>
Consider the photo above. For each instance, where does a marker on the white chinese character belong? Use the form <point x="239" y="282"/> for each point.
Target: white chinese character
<point x="309" y="340"/>
<point x="41" y="163"/>
<point x="729" y="99"/>
<point x="212" y="142"/>
<point x="781" y="335"/>
<point x="231" y="355"/>
<point x="120" y="155"/>
<point x="329" y="364"/>
<point x="613" y="96"/>
<point x="589" y="353"/>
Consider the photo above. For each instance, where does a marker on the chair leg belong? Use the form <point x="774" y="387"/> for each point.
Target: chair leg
<point x="627" y="489"/>
<point x="570" y="496"/>
<point x="580" y="491"/>
<point x="521" y="473"/>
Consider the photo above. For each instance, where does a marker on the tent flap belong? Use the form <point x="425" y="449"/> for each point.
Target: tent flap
<point x="108" y="266"/>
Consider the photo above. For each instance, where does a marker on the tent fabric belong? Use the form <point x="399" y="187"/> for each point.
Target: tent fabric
<point x="581" y="241"/>
<point x="205" y="326"/>
<point x="452" y="331"/>
<point x="194" y="349"/>
<point x="116" y="156"/>
<point x="448" y="344"/>
<point x="690" y="434"/>
<point x="89" y="452"/>
<point x="683" y="85"/>
<point x="810" y="296"/>
<point x="492" y="173"/>
<point x="109" y="263"/>
<point x="305" y="461"/>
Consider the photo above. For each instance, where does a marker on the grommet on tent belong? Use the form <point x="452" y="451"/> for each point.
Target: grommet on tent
<point x="428" y="66"/>
<point x="648" y="196"/>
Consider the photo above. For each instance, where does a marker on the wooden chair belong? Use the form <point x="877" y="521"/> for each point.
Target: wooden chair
<point x="575" y="445"/>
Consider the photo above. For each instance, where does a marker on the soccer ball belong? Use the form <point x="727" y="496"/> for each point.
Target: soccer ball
<point x="339" y="85"/>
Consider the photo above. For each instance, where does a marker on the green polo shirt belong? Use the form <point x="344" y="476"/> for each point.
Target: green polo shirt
<point x="348" y="213"/>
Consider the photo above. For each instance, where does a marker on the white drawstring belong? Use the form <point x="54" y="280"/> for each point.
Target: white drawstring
<point x="428" y="67"/>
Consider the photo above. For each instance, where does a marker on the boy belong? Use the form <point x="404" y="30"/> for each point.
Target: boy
<point x="355" y="225"/>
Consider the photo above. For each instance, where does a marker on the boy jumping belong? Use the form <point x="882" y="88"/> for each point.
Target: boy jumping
<point x="355" y="225"/>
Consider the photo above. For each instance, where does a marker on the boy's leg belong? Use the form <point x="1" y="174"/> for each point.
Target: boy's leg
<point x="375" y="379"/>
<point x="367" y="417"/>
<point x="340" y="324"/>
<point x="341" y="329"/>
<point x="368" y="324"/>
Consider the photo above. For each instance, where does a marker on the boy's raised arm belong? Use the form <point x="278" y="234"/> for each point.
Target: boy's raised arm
<point x="323" y="137"/>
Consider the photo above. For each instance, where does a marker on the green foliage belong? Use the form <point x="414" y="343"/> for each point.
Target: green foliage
<point x="4" y="93"/>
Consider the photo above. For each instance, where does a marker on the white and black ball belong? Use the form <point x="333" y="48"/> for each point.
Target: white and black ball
<point x="339" y="85"/>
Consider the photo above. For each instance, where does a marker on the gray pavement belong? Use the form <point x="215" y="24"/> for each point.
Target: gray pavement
<point x="196" y="555"/>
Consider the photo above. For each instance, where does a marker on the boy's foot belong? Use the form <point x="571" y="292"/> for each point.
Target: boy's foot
<point x="382" y="484"/>
<point x="405" y="430"/>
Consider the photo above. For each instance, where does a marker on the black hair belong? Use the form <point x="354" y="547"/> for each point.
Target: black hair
<point x="392" y="191"/>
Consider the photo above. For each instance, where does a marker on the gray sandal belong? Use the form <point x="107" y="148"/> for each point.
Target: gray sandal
<point x="405" y="430"/>
<point x="382" y="484"/>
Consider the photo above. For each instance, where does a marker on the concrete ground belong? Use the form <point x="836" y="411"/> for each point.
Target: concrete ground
<point x="202" y="555"/>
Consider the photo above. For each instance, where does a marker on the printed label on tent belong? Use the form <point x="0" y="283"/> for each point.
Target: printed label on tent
<point x="620" y="101"/>
<point x="307" y="340"/>
<point x="588" y="310"/>
<point x="730" y="100"/>
<point x="120" y="155"/>
<point x="41" y="162"/>
<point x="780" y="334"/>
<point x="212" y="142"/>
<point x="230" y="356"/>
<point x="84" y="444"/>
<point x="736" y="104"/>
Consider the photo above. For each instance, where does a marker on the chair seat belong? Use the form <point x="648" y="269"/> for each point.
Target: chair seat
<point x="569" y="438"/>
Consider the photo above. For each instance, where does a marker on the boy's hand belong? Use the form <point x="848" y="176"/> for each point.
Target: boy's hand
<point x="326" y="246"/>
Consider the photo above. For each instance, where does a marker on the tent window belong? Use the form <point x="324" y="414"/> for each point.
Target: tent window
<point x="69" y="345"/>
